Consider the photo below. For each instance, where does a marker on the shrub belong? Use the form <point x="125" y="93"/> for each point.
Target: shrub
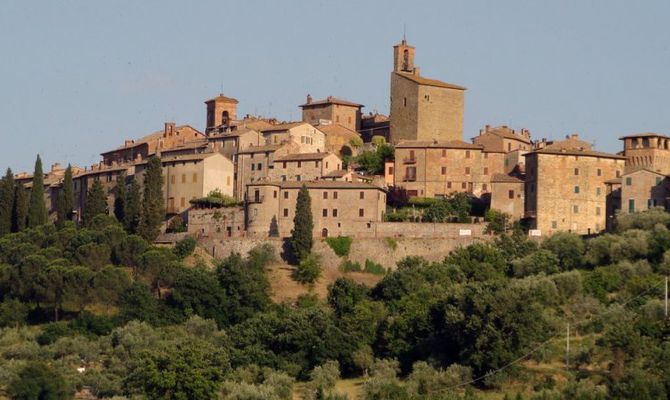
<point x="185" y="247"/>
<point x="340" y="245"/>
<point x="308" y="270"/>
<point x="176" y="225"/>
<point x="498" y="221"/>
<point x="374" y="268"/>
<point x="38" y="381"/>
<point x="391" y="243"/>
<point x="350" y="266"/>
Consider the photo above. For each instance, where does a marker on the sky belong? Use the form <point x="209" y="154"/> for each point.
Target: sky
<point x="79" y="77"/>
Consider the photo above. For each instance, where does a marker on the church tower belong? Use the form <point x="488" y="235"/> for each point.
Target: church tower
<point x="221" y="111"/>
<point x="403" y="57"/>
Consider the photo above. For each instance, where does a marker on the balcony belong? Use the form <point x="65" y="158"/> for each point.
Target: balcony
<point x="409" y="160"/>
<point x="255" y="199"/>
<point x="409" y="179"/>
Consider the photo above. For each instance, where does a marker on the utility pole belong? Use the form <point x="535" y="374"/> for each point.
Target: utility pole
<point x="567" y="348"/>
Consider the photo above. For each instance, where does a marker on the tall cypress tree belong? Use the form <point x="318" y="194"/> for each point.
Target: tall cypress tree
<point x="20" y="211"/>
<point x="133" y="207"/>
<point x="37" y="209"/>
<point x="6" y="202"/>
<point x="153" y="209"/>
<point x="120" y="197"/>
<point x="301" y="236"/>
<point x="65" y="201"/>
<point x="96" y="202"/>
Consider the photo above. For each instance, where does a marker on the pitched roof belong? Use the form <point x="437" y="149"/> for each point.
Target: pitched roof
<point x="303" y="157"/>
<point x="451" y="144"/>
<point x="429" y="82"/>
<point x="235" y="133"/>
<point x="643" y="169"/>
<point x="319" y="184"/>
<point x="504" y="178"/>
<point x="614" y="181"/>
<point x="184" y="157"/>
<point x="223" y="98"/>
<point x="283" y="127"/>
<point x="151" y="137"/>
<point x="338" y="173"/>
<point x="331" y="100"/>
<point x="575" y="152"/>
<point x="260" y="149"/>
<point x="506" y="132"/>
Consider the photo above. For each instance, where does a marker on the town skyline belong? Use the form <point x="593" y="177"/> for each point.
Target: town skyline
<point x="89" y="97"/>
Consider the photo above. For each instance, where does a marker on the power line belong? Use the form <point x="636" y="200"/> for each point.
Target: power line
<point x="556" y="336"/>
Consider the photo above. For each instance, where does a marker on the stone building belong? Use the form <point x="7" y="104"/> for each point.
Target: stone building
<point x="230" y="143"/>
<point x="565" y="186"/>
<point x="507" y="195"/>
<point x="211" y="222"/>
<point x="375" y="124"/>
<point x="332" y="111"/>
<point x="107" y="175"/>
<point x="435" y="168"/>
<point x="170" y="137"/>
<point x="307" y="136"/>
<point x="221" y="112"/>
<point x="253" y="163"/>
<point x="642" y="189"/>
<point x="338" y="208"/>
<point x="339" y="139"/>
<point x="422" y="108"/>
<point x="303" y="166"/>
<point x="190" y="177"/>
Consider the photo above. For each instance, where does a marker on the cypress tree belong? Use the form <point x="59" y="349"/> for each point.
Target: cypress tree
<point x="6" y="202"/>
<point x="65" y="201"/>
<point x="133" y="206"/>
<point x="96" y="202"/>
<point x="153" y="209"/>
<point x="20" y="211"/>
<point x="120" y="197"/>
<point x="301" y="236"/>
<point x="37" y="209"/>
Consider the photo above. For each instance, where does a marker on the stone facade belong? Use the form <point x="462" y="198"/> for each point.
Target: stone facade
<point x="507" y="195"/>
<point x="231" y="143"/>
<point x="643" y="189"/>
<point x="190" y="177"/>
<point x="338" y="208"/>
<point x="565" y="187"/>
<point x="422" y="108"/>
<point x="647" y="150"/>
<point x="303" y="167"/>
<point x="252" y="164"/>
<point x="339" y="138"/>
<point x="223" y="222"/>
<point x="221" y="112"/>
<point x="307" y="136"/>
<point x="332" y="110"/>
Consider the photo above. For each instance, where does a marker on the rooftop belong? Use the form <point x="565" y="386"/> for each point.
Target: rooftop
<point x="330" y="100"/>
<point x="303" y="157"/>
<point x="319" y="184"/>
<point x="452" y="144"/>
<point x="283" y="126"/>
<point x="504" y="178"/>
<point x="645" y="134"/>
<point x="260" y="149"/>
<point x="575" y="152"/>
<point x="222" y="98"/>
<point x="429" y="82"/>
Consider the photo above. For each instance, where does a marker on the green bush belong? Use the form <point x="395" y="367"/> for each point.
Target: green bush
<point x="372" y="267"/>
<point x="176" y="225"/>
<point x="185" y="247"/>
<point x="391" y="243"/>
<point x="350" y="266"/>
<point x="308" y="270"/>
<point x="340" y="245"/>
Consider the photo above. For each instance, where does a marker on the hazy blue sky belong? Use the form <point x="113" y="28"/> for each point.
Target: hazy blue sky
<point x="79" y="77"/>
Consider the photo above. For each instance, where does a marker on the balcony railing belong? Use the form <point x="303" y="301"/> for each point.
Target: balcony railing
<point x="255" y="199"/>
<point x="409" y="179"/>
<point x="409" y="160"/>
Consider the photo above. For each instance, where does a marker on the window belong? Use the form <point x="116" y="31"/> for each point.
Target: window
<point x="510" y="194"/>
<point x="334" y="212"/>
<point x="467" y="153"/>
<point x="467" y="170"/>
<point x="228" y="180"/>
<point x="444" y="170"/>
<point x="486" y="170"/>
<point x="576" y="171"/>
<point x="404" y="101"/>
<point x="361" y="195"/>
<point x="631" y="205"/>
<point x="253" y="167"/>
<point x="335" y="195"/>
<point x="325" y="195"/>
<point x="390" y="170"/>
<point x="195" y="177"/>
<point x="284" y="164"/>
<point x="349" y="119"/>
<point x="599" y="172"/>
<point x="325" y="212"/>
<point x="448" y="185"/>
<point x="597" y="210"/>
<point x="597" y="191"/>
<point x="297" y="178"/>
<point x="316" y="164"/>
<point x="463" y="185"/>
<point x="444" y="153"/>
<point x="286" y="212"/>
<point x="575" y="209"/>
<point x="173" y="179"/>
<point x="299" y="164"/>
<point x="576" y="189"/>
<point x="484" y="187"/>
<point x="283" y="178"/>
<point x="260" y="166"/>
<point x="183" y="178"/>
<point x="651" y="203"/>
<point x="274" y="194"/>
<point x="286" y="195"/>
<point x="361" y="212"/>
<point x="509" y="146"/>
<point x="618" y="174"/>
<point x="629" y="181"/>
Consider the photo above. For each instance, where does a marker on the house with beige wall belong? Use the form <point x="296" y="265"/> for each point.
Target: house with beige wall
<point x="190" y="177"/>
<point x="338" y="208"/>
<point x="642" y="189"/>
<point x="339" y="139"/>
<point x="507" y="195"/>
<point x="307" y="136"/>
<point x="303" y="166"/>
<point x="566" y="188"/>
<point x="332" y="110"/>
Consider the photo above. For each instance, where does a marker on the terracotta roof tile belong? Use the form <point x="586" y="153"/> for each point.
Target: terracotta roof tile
<point x="506" y="178"/>
<point x="452" y="144"/>
<point x="429" y="82"/>
<point x="331" y="100"/>
<point x="303" y="157"/>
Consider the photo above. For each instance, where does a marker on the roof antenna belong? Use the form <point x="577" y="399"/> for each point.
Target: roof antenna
<point x="404" y="31"/>
<point x="221" y="92"/>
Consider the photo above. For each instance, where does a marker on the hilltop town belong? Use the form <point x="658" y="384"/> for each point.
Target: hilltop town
<point x="548" y="185"/>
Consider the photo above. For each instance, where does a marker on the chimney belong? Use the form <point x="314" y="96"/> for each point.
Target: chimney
<point x="487" y="127"/>
<point x="55" y="167"/>
<point x="574" y="136"/>
<point x="330" y="98"/>
<point x="169" y="128"/>
<point x="309" y="99"/>
<point x="128" y="142"/>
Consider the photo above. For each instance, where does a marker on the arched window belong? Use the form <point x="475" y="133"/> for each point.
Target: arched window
<point x="224" y="118"/>
<point x="405" y="60"/>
